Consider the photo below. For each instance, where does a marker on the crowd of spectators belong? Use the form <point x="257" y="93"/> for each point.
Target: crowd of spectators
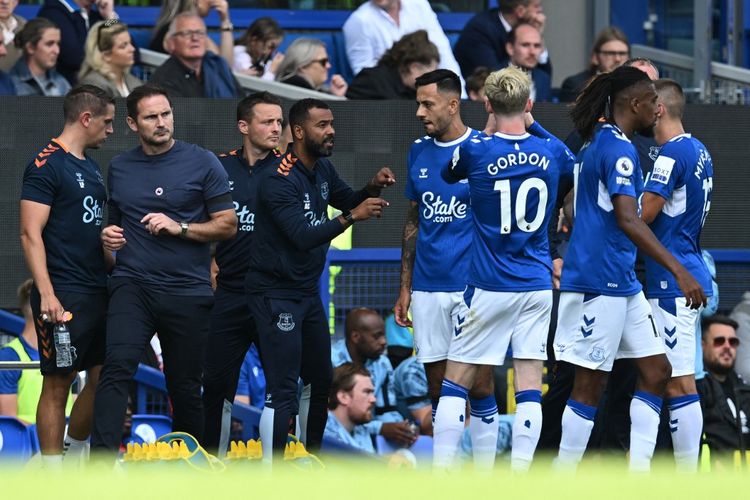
<point x="388" y="43"/>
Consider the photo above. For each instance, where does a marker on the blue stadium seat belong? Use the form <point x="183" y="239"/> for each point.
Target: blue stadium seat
<point x="15" y="439"/>
<point x="149" y="428"/>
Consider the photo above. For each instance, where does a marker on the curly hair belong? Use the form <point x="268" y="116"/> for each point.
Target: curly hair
<point x="412" y="48"/>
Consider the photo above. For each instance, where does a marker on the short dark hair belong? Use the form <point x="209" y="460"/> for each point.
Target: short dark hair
<point x="446" y="80"/>
<point x="142" y="92"/>
<point x="32" y="32"/>
<point x="475" y="81"/>
<point x="246" y="105"/>
<point x="717" y="319"/>
<point x="343" y="380"/>
<point x="86" y="98"/>
<point x="300" y="110"/>
<point x="671" y="96"/>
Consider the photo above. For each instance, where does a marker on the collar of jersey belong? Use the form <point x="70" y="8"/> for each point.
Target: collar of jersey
<point x="455" y="141"/>
<point x="511" y="137"/>
<point x="684" y="135"/>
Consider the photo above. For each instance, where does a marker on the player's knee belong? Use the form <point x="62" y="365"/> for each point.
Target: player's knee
<point x="483" y="387"/>
<point x="56" y="387"/>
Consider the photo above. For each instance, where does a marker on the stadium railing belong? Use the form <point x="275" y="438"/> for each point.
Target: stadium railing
<point x="150" y="60"/>
<point x="728" y="85"/>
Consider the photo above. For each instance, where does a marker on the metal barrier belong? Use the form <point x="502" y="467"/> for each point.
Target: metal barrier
<point x="727" y="85"/>
<point x="151" y="60"/>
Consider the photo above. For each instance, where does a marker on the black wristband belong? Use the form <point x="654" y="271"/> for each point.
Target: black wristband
<point x="348" y="217"/>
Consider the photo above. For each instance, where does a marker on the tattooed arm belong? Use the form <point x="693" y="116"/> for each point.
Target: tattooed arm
<point x="408" y="251"/>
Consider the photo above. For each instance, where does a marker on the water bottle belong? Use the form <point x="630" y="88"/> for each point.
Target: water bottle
<point x="65" y="353"/>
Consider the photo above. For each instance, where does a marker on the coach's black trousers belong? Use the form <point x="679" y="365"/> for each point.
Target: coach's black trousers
<point x="294" y="342"/>
<point x="135" y="314"/>
<point x="232" y="332"/>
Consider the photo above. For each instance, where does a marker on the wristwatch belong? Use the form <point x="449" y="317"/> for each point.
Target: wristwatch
<point x="184" y="227"/>
<point x="227" y="27"/>
<point x="348" y="217"/>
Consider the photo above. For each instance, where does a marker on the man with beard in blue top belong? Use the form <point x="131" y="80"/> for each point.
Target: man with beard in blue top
<point x="292" y="234"/>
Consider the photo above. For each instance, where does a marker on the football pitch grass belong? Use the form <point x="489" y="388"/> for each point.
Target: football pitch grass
<point x="597" y="478"/>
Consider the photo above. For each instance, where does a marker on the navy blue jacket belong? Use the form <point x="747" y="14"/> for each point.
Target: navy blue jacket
<point x="482" y="43"/>
<point x="292" y="229"/>
<point x="73" y="33"/>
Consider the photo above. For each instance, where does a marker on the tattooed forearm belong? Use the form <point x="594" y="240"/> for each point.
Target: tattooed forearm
<point x="409" y="245"/>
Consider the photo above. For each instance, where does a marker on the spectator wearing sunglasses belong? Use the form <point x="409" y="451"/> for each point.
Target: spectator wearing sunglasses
<point x="109" y="56"/>
<point x="306" y="65"/>
<point x="722" y="391"/>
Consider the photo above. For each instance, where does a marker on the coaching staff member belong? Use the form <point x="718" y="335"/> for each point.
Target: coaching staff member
<point x="62" y="199"/>
<point x="292" y="234"/>
<point x="168" y="201"/>
<point x="259" y="120"/>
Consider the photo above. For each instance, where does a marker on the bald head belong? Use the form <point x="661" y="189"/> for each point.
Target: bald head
<point x="365" y="333"/>
<point x="644" y="65"/>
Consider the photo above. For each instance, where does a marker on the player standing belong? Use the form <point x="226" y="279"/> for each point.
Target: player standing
<point x="62" y="204"/>
<point x="435" y="252"/>
<point x="675" y="203"/>
<point x="513" y="179"/>
<point x="603" y="314"/>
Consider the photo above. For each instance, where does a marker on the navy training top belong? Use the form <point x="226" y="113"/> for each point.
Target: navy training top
<point x="179" y="183"/>
<point x="233" y="255"/>
<point x="74" y="190"/>
<point x="292" y="229"/>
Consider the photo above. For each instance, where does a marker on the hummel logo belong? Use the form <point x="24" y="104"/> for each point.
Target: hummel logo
<point x="458" y="330"/>
<point x="671" y="340"/>
<point x="589" y="322"/>
<point x="488" y="420"/>
<point x="586" y="333"/>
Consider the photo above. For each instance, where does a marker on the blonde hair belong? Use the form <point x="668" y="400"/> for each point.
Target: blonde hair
<point x="100" y="39"/>
<point x="508" y="90"/>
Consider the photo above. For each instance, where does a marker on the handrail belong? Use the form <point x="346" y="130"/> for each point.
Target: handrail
<point x="19" y="365"/>
<point x="155" y="59"/>
<point x="681" y="61"/>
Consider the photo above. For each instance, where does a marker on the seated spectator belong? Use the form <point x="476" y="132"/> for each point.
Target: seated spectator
<point x="398" y="69"/>
<point x="350" y="406"/>
<point x="194" y="71"/>
<point x="74" y="18"/>
<point x="524" y="46"/>
<point x="364" y="345"/>
<point x="10" y="24"/>
<point x="400" y="340"/>
<point x="611" y="49"/>
<point x="377" y="24"/>
<point x="251" y="387"/>
<point x="482" y="41"/>
<point x="741" y="314"/>
<point x="7" y="87"/>
<point x="255" y="51"/>
<point x="722" y="391"/>
<point x="410" y="388"/>
<point x="475" y="83"/>
<point x="20" y="389"/>
<point x="34" y="73"/>
<point x="109" y="56"/>
<point x="170" y="9"/>
<point x="306" y="65"/>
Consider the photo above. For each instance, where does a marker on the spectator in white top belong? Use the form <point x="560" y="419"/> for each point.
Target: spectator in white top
<point x="377" y="24"/>
<point x="255" y="52"/>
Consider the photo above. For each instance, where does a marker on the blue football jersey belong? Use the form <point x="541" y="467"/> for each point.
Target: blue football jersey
<point x="513" y="185"/>
<point x="682" y="175"/>
<point x="445" y="230"/>
<point x="601" y="258"/>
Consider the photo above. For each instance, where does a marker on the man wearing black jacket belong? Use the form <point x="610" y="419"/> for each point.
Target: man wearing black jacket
<point x="292" y="234"/>
<point x="722" y="391"/>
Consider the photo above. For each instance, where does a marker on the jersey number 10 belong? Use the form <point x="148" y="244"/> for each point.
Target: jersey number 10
<point x="521" y="200"/>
